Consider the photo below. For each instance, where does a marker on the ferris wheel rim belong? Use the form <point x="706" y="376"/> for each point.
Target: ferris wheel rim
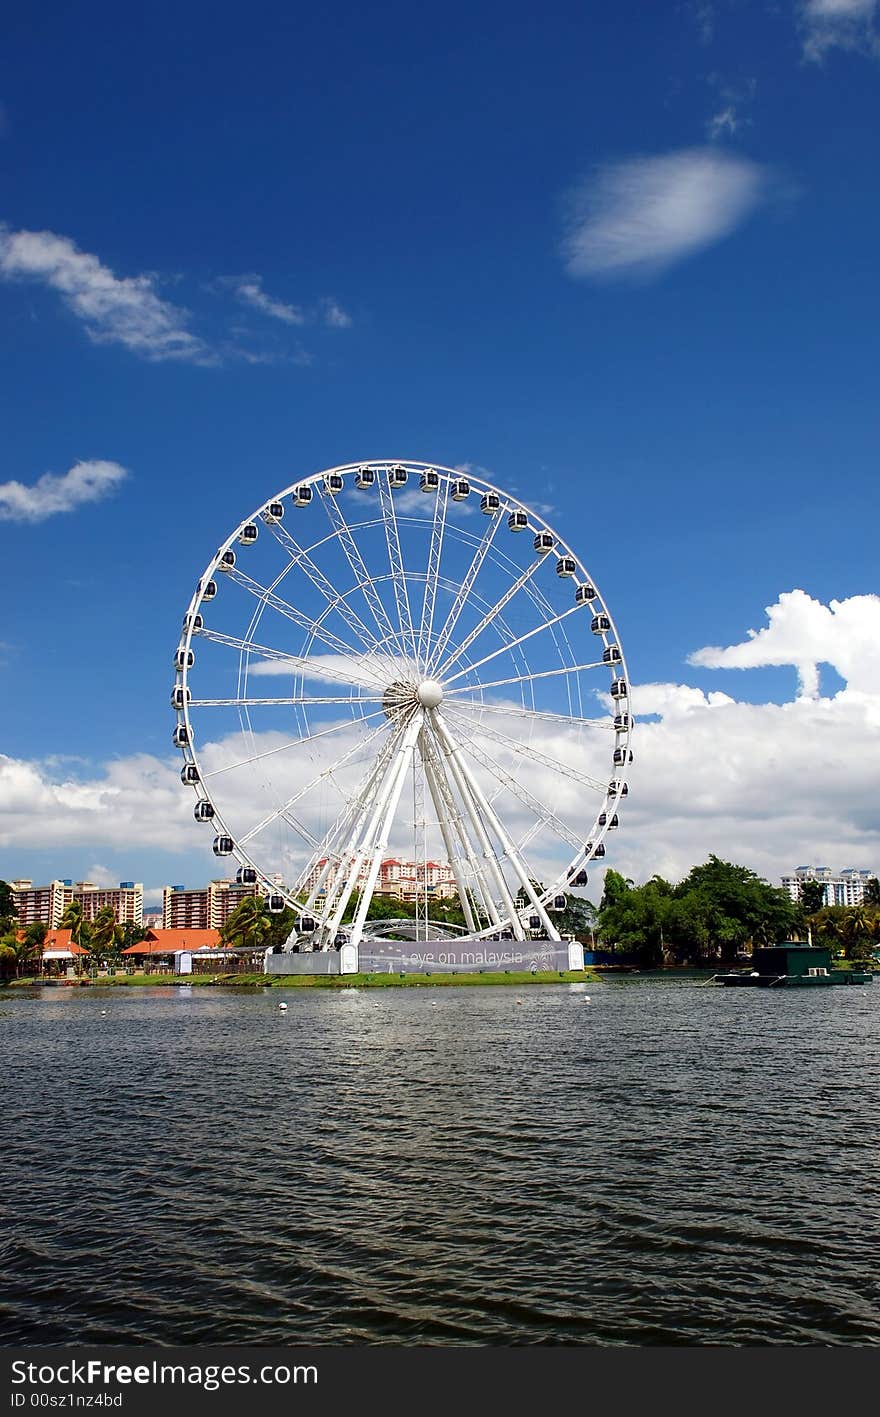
<point x="507" y="502"/>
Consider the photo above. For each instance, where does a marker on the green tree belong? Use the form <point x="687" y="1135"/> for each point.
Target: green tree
<point x="74" y="921"/>
<point x="812" y="897"/>
<point x="872" y="891"/>
<point x="18" y="954"/>
<point x="248" y="925"/>
<point x="131" y="934"/>
<point x="105" y="933"/>
<point x="8" y="911"/>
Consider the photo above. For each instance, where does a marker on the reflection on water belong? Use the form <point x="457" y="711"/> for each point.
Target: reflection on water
<point x="642" y="1162"/>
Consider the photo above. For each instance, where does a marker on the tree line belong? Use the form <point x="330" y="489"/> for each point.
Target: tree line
<point x="721" y="911"/>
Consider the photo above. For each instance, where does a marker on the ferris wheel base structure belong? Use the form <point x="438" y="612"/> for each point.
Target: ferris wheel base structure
<point x="459" y="956"/>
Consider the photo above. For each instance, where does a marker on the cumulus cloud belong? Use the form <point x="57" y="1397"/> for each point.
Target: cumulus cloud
<point x="770" y="785"/>
<point x="122" y="310"/>
<point x="136" y="800"/>
<point x="838" y="24"/>
<point x="51" y="494"/>
<point x="642" y="215"/>
<point x="804" y="633"/>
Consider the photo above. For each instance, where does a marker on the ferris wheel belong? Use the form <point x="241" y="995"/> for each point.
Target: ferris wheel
<point x="398" y="667"/>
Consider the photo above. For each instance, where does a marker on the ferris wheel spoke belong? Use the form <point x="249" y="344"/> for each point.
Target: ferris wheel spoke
<point x="406" y="635"/>
<point x="596" y="725"/>
<point x="464" y="591"/>
<point x="300" y="557"/>
<point x="292" y="743"/>
<point x="309" y="787"/>
<point x="545" y="814"/>
<point x="524" y="678"/>
<point x="491" y="614"/>
<point x="363" y="579"/>
<point x="527" y="750"/>
<point x="441" y="504"/>
<point x="299" y="663"/>
<point x="503" y="649"/>
<point x="268" y="596"/>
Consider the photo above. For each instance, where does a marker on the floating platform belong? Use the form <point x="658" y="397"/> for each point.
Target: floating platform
<point x="771" y="981"/>
<point x="792" y="965"/>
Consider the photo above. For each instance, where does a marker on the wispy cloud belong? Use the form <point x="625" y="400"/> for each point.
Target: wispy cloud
<point x="838" y="24"/>
<point x="249" y="290"/>
<point x="114" y="309"/>
<point x="50" y="494"/>
<point x="639" y="216"/>
<point x="334" y="315"/>
<point x="725" y="122"/>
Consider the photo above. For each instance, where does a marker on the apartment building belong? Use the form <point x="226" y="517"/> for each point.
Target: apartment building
<point x="207" y="908"/>
<point x="846" y="887"/>
<point x="41" y="903"/>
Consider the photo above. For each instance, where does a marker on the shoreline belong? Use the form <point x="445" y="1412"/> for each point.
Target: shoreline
<point x="309" y="981"/>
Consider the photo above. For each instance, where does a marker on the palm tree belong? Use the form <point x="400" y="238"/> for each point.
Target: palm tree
<point x="74" y="921"/>
<point x="248" y="924"/>
<point x="857" y="931"/>
<point x="105" y="932"/>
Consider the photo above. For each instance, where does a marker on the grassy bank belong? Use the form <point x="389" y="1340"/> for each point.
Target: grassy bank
<point x="314" y="981"/>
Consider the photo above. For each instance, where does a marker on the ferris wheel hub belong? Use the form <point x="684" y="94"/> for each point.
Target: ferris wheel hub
<point x="430" y="693"/>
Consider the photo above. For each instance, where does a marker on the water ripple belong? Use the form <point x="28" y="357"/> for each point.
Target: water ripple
<point x="672" y="1165"/>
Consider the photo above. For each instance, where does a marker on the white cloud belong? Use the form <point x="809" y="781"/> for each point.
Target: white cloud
<point x="138" y="800"/>
<point x="726" y="120"/>
<point x="249" y="290"/>
<point x="115" y="310"/>
<point x="805" y="633"/>
<point x="50" y="494"/>
<point x="639" y="216"/>
<point x="334" y="315"/>
<point x="768" y="785"/>
<point x="838" y="24"/>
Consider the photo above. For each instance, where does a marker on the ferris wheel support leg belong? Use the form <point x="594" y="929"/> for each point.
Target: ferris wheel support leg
<point x="506" y="841"/>
<point x="390" y="800"/>
<point x="465" y="784"/>
<point x="481" y="892"/>
<point x="350" y="821"/>
<point x="451" y="853"/>
<point x="344" y="864"/>
<point x="356" y="851"/>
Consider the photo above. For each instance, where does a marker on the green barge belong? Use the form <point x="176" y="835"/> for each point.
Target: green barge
<point x="794" y="964"/>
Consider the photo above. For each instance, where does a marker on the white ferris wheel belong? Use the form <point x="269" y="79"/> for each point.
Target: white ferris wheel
<point x="399" y="662"/>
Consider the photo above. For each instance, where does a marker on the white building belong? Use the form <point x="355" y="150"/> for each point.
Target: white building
<point x="846" y="887"/>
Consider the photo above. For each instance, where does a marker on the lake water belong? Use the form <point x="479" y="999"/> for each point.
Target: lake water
<point x="640" y="1162"/>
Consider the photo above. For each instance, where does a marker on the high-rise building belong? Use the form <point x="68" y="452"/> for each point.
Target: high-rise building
<point x="207" y="908"/>
<point x="846" y="887"/>
<point x="48" y="903"/>
<point x="44" y="903"/>
<point x="126" y="900"/>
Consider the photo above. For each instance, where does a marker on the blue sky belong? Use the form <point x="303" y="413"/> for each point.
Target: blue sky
<point x="623" y="257"/>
